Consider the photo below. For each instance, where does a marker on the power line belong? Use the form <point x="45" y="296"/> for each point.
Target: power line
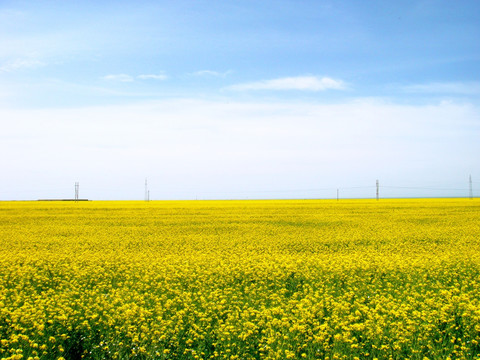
<point x="308" y="192"/>
<point x="284" y="191"/>
<point x="423" y="188"/>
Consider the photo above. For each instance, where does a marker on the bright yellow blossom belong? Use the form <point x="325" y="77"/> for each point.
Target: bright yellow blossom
<point x="351" y="279"/>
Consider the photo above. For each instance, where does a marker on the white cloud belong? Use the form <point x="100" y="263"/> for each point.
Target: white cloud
<point x="305" y="83"/>
<point x="458" y="88"/>
<point x="21" y="64"/>
<point x="152" y="77"/>
<point x="119" y="77"/>
<point x="211" y="73"/>
<point x="129" y="78"/>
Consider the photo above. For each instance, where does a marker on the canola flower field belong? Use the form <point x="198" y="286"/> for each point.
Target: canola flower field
<point x="293" y="279"/>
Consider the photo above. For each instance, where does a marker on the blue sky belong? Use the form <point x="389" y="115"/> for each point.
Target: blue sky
<point x="239" y="99"/>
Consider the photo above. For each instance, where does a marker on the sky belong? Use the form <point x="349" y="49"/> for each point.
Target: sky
<point x="239" y="99"/>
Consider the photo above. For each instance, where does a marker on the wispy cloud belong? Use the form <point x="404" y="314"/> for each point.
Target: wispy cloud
<point x="152" y="77"/>
<point x="458" y="88"/>
<point x="211" y="73"/>
<point x="304" y="83"/>
<point x="119" y="77"/>
<point x="18" y="64"/>
<point x="130" y="78"/>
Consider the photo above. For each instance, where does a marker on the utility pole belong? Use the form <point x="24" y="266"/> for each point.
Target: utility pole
<point x="470" y="188"/>
<point x="378" y="186"/>
<point x="147" y="192"/>
<point x="77" y="188"/>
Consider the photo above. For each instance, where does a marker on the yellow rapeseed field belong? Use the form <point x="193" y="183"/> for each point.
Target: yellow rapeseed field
<point x="296" y="279"/>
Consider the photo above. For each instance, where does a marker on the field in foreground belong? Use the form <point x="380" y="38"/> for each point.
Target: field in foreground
<point x="308" y="279"/>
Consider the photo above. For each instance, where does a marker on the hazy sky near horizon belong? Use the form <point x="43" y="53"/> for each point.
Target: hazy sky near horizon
<point x="239" y="99"/>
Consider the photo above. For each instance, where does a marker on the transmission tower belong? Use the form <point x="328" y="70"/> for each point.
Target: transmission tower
<point x="378" y="186"/>
<point x="146" y="190"/>
<point x="470" y="187"/>
<point x="77" y="188"/>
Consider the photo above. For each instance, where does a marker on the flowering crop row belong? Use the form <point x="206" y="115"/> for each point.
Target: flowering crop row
<point x="353" y="279"/>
